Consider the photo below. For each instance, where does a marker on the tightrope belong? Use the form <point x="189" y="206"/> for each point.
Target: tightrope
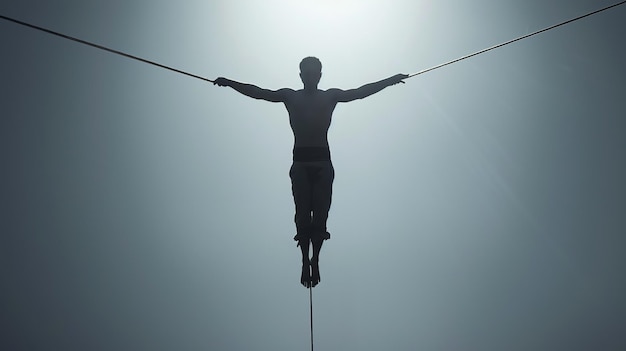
<point x="101" y="47"/>
<point x="104" y="48"/>
<point x="517" y="39"/>
<point x="311" y="304"/>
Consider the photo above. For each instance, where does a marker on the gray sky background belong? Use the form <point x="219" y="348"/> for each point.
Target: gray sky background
<point x="480" y="206"/>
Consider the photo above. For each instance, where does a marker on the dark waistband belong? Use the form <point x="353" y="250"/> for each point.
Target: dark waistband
<point x="311" y="153"/>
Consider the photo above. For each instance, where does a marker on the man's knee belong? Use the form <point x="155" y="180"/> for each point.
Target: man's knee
<point x="304" y="231"/>
<point x="317" y="237"/>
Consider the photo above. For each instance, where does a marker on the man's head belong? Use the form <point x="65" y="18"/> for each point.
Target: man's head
<point x="310" y="71"/>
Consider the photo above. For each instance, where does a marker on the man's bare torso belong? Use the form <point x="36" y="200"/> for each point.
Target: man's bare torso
<point x="310" y="114"/>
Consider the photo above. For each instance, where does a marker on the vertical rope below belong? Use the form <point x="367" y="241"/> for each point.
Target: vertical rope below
<point x="311" y="304"/>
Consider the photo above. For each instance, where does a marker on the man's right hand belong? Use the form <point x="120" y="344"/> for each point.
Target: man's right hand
<point x="222" y="82"/>
<point x="398" y="78"/>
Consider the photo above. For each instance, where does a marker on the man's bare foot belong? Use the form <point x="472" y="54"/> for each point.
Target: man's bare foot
<point x="315" y="272"/>
<point x="305" y="278"/>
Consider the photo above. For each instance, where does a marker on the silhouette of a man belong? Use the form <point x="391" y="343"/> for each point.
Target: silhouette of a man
<point x="310" y="112"/>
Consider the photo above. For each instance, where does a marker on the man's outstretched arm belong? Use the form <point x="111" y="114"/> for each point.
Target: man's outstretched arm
<point x="367" y="89"/>
<point x="253" y="91"/>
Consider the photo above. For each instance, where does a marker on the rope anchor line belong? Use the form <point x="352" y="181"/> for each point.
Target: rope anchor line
<point x="101" y="47"/>
<point x="517" y="39"/>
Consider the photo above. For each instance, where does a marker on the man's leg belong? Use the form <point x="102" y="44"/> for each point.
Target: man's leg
<point x="322" y="196"/>
<point x="305" y="276"/>
<point x="301" y="190"/>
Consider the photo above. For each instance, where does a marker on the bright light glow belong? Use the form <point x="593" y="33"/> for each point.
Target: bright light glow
<point x="332" y="26"/>
<point x="341" y="10"/>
